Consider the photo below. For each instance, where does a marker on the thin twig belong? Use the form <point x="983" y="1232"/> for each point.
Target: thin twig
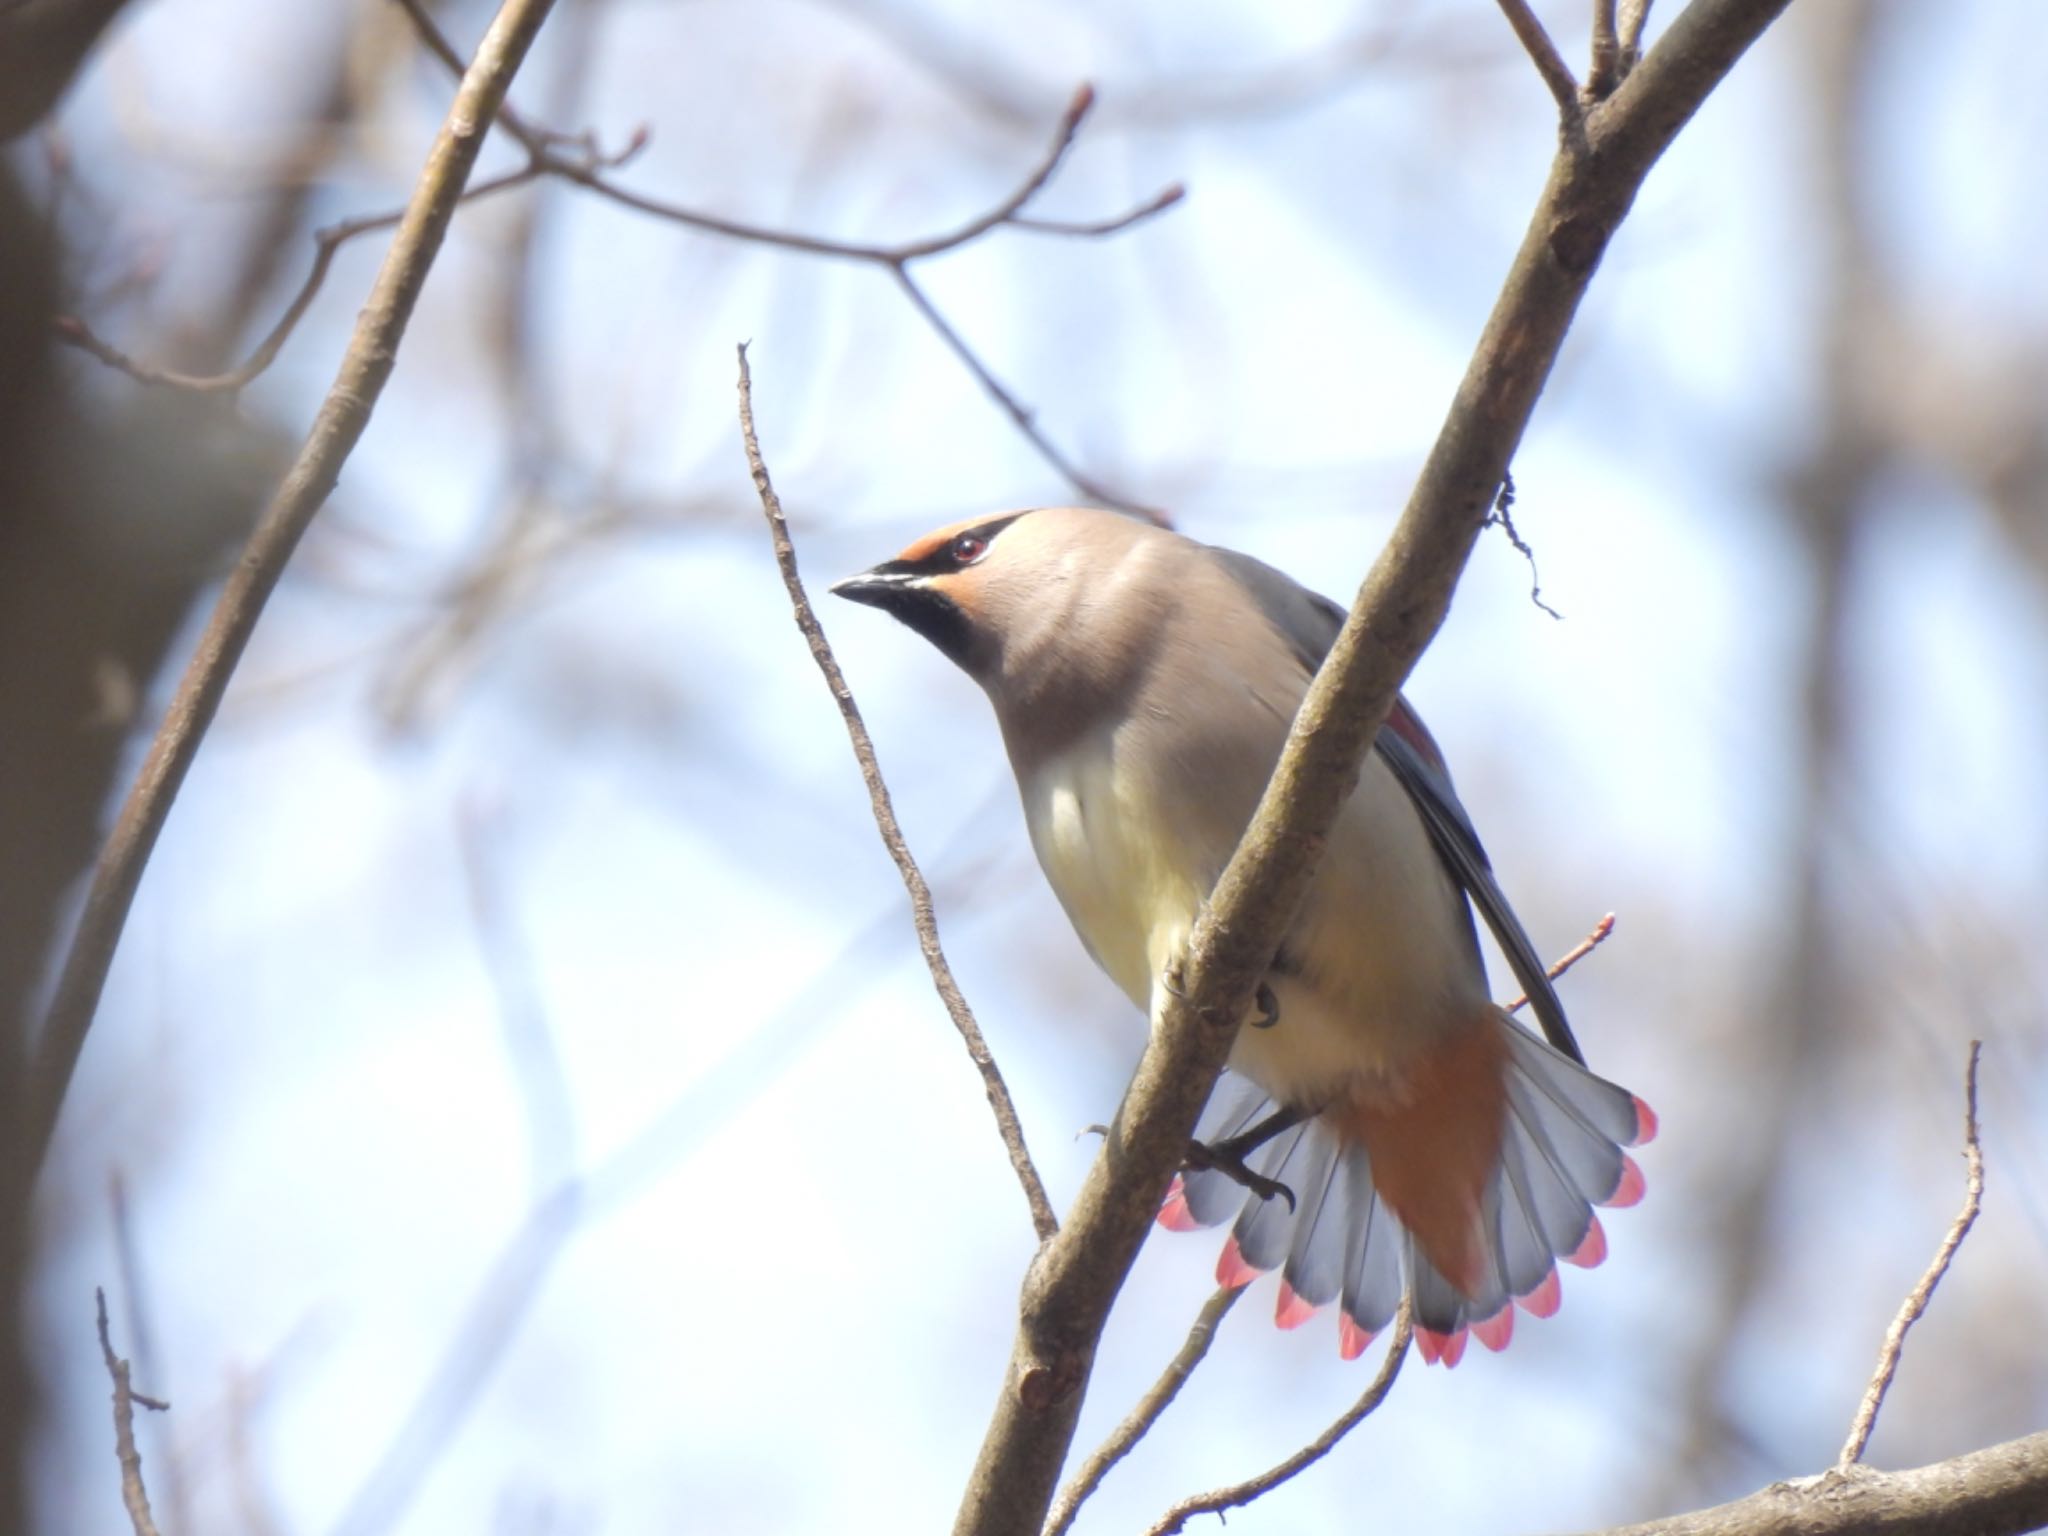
<point x="1092" y="229"/>
<point x="1605" y="71"/>
<point x="542" y="146"/>
<point x="74" y="332"/>
<point x="133" y="1494"/>
<point x="1007" y="1122"/>
<point x="1918" y="1298"/>
<point x="1238" y="1494"/>
<point x="1635" y="14"/>
<point x="1503" y="517"/>
<point x="532" y="138"/>
<point x="1572" y="957"/>
<point x="1016" y="410"/>
<point x="1078" y="107"/>
<point x="1549" y="62"/>
<point x="172" y="1489"/>
<point x="343" y="416"/>
<point x="1139" y="1421"/>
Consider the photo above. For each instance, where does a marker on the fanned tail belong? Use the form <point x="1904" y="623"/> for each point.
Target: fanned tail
<point x="1493" y="1195"/>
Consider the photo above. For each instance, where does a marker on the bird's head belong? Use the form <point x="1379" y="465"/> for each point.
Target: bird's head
<point x="1054" y="611"/>
<point x="956" y="586"/>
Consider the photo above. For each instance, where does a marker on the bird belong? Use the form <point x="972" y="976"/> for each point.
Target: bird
<point x="1400" y="1133"/>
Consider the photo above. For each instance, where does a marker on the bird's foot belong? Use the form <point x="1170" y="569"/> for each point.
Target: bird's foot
<point x="1223" y="1158"/>
<point x="1227" y="1156"/>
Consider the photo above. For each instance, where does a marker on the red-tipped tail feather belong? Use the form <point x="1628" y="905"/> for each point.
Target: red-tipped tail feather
<point x="1461" y="1186"/>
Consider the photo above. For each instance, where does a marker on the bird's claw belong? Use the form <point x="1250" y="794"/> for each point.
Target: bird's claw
<point x="1226" y="1158"/>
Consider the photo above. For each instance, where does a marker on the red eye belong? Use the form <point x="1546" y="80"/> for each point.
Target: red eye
<point x="968" y="548"/>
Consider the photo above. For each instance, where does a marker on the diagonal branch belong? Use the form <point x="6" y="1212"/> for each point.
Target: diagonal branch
<point x="1145" y="1413"/>
<point x="1917" y="1299"/>
<point x="1073" y="1282"/>
<point x="1238" y="1494"/>
<point x="1020" y="414"/>
<point x="1007" y="1121"/>
<point x="1549" y="62"/>
<point x="343" y="417"/>
<point x="1571" y="957"/>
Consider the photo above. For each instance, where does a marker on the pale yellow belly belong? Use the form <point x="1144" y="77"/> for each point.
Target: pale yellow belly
<point x="1113" y="867"/>
<point x="1388" y="969"/>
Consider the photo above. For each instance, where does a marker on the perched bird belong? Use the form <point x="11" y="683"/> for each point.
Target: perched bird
<point x="1145" y="684"/>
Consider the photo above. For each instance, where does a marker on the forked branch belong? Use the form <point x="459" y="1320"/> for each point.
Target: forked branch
<point x="1236" y="1495"/>
<point x="1145" y="1413"/>
<point x="1922" y="1293"/>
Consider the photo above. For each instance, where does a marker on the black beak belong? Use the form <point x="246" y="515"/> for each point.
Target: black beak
<point x="879" y="588"/>
<point x="906" y="593"/>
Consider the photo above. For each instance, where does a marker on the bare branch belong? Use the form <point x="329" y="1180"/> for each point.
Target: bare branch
<point x="542" y="147"/>
<point x="1015" y="409"/>
<point x="1073" y="1282"/>
<point x="133" y="1494"/>
<point x="1917" y="1299"/>
<point x="1078" y="108"/>
<point x="343" y="415"/>
<point x="534" y="139"/>
<point x="1007" y="1123"/>
<point x="577" y="159"/>
<point x="74" y="332"/>
<point x="1549" y="62"/>
<point x="1139" y="1421"/>
<point x="1605" y="71"/>
<point x="1634" y="15"/>
<point x="1089" y="229"/>
<point x="1238" y="1494"/>
<point x="1572" y="956"/>
<point x="1999" y="1491"/>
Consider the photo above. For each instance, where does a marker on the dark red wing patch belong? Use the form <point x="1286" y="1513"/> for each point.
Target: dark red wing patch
<point x="1406" y="724"/>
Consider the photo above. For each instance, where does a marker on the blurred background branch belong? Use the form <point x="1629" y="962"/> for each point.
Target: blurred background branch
<point x="342" y="418"/>
<point x="538" y="598"/>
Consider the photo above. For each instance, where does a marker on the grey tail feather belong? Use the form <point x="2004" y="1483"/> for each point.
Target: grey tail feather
<point x="1560" y="1156"/>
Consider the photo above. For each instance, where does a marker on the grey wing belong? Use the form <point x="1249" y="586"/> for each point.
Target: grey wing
<point x="1307" y="620"/>
<point x="1457" y="844"/>
<point x="1309" y="623"/>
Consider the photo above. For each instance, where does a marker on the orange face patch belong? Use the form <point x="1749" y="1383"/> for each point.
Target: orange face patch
<point x="930" y="544"/>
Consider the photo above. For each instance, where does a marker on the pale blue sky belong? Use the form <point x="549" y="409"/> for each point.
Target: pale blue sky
<point x="792" y="1313"/>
